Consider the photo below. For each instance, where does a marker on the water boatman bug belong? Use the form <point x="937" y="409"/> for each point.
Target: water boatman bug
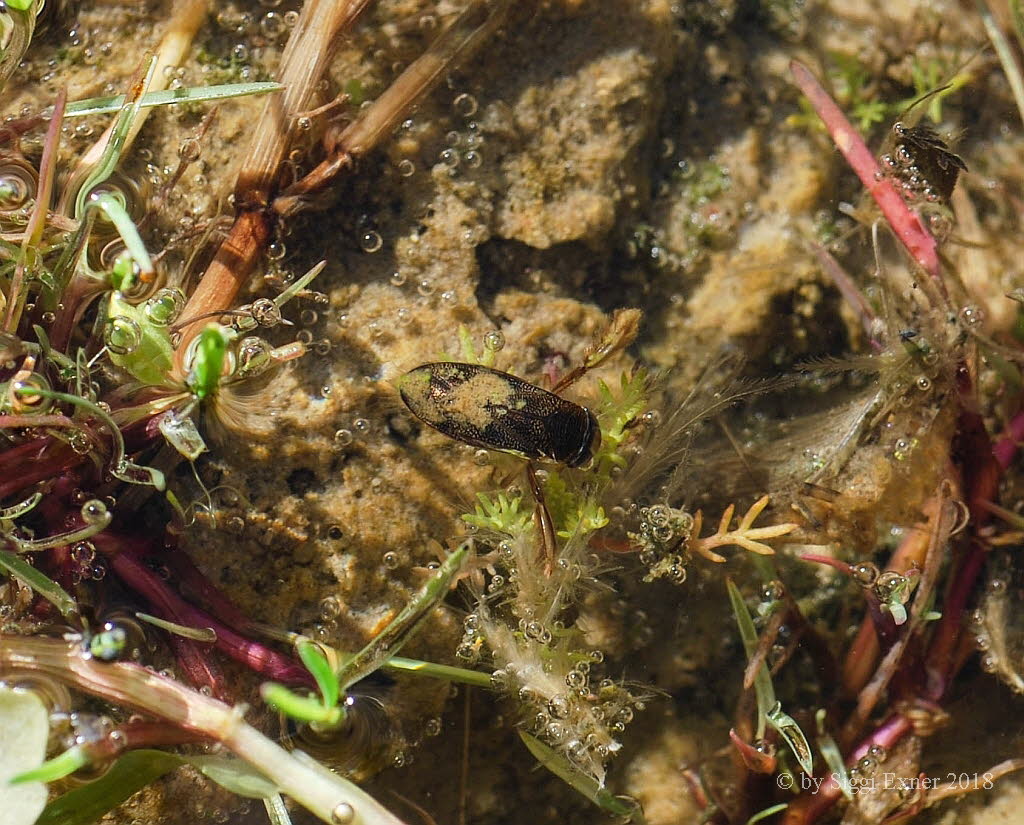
<point x="487" y="408"/>
<point x="491" y="409"/>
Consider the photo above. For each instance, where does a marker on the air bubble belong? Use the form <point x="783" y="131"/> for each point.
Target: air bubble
<point x="473" y="159"/>
<point x="494" y="341"/>
<point x="308" y="317"/>
<point x="94" y="512"/>
<point x="330" y="608"/>
<point x="165" y="306"/>
<point x="971" y="316"/>
<point x="265" y="312"/>
<point x="425" y="288"/>
<point x="865" y="573"/>
<point x="406" y="168"/>
<point x="450" y="158"/>
<point x="465" y="105"/>
<point x="362" y="425"/>
<point x="122" y="335"/>
<point x="342" y="438"/>
<point x="397" y="279"/>
<point x="371" y="241"/>
<point x="343" y="813"/>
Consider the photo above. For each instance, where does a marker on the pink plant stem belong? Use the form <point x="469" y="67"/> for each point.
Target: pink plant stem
<point x="124" y="556"/>
<point x="1005" y="450"/>
<point x="904" y="222"/>
<point x="38" y="460"/>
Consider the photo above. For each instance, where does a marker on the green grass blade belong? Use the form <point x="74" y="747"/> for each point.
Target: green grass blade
<point x="48" y="589"/>
<point x="748" y="634"/>
<point x="130" y="774"/>
<point x="198" y="94"/>
<point x="320" y="669"/>
<point x="586" y="785"/>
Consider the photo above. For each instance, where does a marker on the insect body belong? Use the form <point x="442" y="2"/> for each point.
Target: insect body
<point x="495" y="410"/>
<point x="923" y="163"/>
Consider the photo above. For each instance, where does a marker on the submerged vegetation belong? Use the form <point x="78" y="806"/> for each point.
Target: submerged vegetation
<point x="726" y="556"/>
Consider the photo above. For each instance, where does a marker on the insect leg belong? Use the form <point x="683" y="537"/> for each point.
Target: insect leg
<point x="542" y="520"/>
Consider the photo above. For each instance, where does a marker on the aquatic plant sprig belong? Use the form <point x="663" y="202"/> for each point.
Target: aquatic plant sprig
<point x="326" y="795"/>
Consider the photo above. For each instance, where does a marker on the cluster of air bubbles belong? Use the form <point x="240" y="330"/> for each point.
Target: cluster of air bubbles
<point x="661" y="538"/>
<point x="472" y="640"/>
<point x="581" y="720"/>
<point x="861" y="774"/>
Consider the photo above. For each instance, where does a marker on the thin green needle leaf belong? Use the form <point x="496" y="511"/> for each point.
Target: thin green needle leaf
<point x="206" y="635"/>
<point x="112" y="151"/>
<point x="57" y="768"/>
<point x="586" y="785"/>
<point x="446" y="672"/>
<point x="125" y="226"/>
<point x="198" y="94"/>
<point x="767" y="812"/>
<point x="398" y="631"/>
<point x="748" y="633"/>
<point x="48" y="589"/>
<point x="318" y="666"/>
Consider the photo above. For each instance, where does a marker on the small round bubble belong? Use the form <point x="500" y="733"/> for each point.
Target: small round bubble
<point x="265" y="312"/>
<point x="465" y="105"/>
<point x="406" y="168"/>
<point x="371" y="241"/>
<point x="425" y="288"/>
<point x="121" y="335"/>
<point x="94" y="512"/>
<point x="342" y="438"/>
<point x="163" y="308"/>
<point x="494" y="341"/>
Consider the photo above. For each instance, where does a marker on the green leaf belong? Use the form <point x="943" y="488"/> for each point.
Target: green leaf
<point x="49" y="590"/>
<point x="106" y="105"/>
<point x="302" y="708"/>
<point x="579" y="781"/>
<point x="57" y="768"/>
<point x="150" y="360"/>
<point x="235" y="775"/>
<point x="24" y="729"/>
<point x="136" y="769"/>
<point x="790" y="731"/>
<point x="316" y="663"/>
<point x="763" y="689"/>
<point x="130" y="774"/>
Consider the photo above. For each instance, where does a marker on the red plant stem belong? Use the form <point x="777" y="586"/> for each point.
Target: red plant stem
<point x="140" y="734"/>
<point x="1005" y="449"/>
<point x="124" y="557"/>
<point x="38" y="460"/>
<point x="904" y="222"/>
